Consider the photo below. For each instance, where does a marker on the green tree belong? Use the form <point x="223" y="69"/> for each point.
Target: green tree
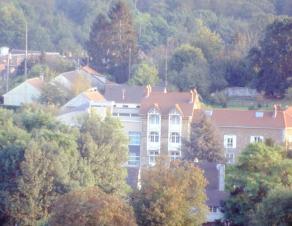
<point x="12" y="26"/>
<point x="91" y="206"/>
<point x="204" y="143"/>
<point x="189" y="69"/>
<point x="103" y="149"/>
<point x="171" y="194"/>
<point x="112" y="42"/>
<point x="144" y="74"/>
<point x="260" y="169"/>
<point x="275" y="209"/>
<point x="54" y="93"/>
<point x="272" y="61"/>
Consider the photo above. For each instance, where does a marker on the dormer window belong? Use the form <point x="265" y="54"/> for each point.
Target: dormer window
<point x="154" y="117"/>
<point x="174" y="117"/>
<point x="259" y="114"/>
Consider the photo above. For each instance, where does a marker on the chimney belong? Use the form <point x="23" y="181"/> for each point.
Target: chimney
<point x="148" y="90"/>
<point x="221" y="174"/>
<point x="165" y="90"/>
<point x="192" y="97"/>
<point x="275" y="111"/>
<point x="123" y="94"/>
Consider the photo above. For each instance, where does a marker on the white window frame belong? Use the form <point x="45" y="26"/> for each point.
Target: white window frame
<point x="230" y="157"/>
<point x="174" y="155"/>
<point x="153" y="154"/>
<point x="227" y="143"/>
<point x="174" y="138"/>
<point x="256" y="139"/>
<point x="154" y="117"/>
<point x="154" y="137"/>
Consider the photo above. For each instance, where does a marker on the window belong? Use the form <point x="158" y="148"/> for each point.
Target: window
<point x="152" y="157"/>
<point x="229" y="141"/>
<point x="133" y="159"/>
<point x="174" y="119"/>
<point x="154" y="137"/>
<point x="174" y="155"/>
<point x="134" y="138"/>
<point x="174" y="138"/>
<point x="230" y="157"/>
<point x="259" y="114"/>
<point x="154" y="117"/>
<point x="256" y="139"/>
<point x="213" y="209"/>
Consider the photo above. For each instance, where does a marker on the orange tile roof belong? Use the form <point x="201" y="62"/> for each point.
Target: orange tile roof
<point x="246" y="118"/>
<point x="288" y="117"/>
<point x="36" y="82"/>
<point x="89" y="70"/>
<point x="94" y="95"/>
<point x="165" y="102"/>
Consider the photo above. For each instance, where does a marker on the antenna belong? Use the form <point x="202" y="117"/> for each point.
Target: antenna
<point x="25" y="61"/>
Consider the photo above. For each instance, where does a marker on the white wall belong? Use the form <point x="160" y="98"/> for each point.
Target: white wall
<point x="22" y="94"/>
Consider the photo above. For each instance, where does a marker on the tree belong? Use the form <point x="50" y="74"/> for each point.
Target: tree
<point x="189" y="69"/>
<point x="55" y="93"/>
<point x="171" y="194"/>
<point x="260" y="168"/>
<point x="91" y="206"/>
<point x="204" y="143"/>
<point x="103" y="149"/>
<point x="275" y="209"/>
<point x="144" y="74"/>
<point x="272" y="61"/>
<point x="112" y="42"/>
<point x="34" y="192"/>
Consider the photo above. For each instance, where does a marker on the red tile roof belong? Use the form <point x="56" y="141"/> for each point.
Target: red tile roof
<point x="246" y="118"/>
<point x="94" y="95"/>
<point x="288" y="117"/>
<point x="166" y="101"/>
<point x="36" y="82"/>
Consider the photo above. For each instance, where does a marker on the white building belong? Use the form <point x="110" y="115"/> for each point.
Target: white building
<point x="27" y="92"/>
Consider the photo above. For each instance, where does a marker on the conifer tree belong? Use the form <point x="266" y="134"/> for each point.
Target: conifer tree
<point x="112" y="44"/>
<point x="204" y="143"/>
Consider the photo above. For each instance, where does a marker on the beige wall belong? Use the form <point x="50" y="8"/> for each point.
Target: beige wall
<point x="243" y="136"/>
<point x="185" y="133"/>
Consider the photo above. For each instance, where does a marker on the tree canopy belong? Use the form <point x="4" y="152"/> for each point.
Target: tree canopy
<point x="91" y="206"/>
<point x="260" y="169"/>
<point x="171" y="194"/>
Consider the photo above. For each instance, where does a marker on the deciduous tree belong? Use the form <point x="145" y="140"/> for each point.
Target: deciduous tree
<point x="260" y="169"/>
<point x="91" y="206"/>
<point x="171" y="194"/>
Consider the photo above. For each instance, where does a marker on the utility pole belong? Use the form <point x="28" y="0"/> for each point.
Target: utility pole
<point x="166" y="64"/>
<point x="130" y="63"/>
<point x="8" y="72"/>
<point x="25" y="60"/>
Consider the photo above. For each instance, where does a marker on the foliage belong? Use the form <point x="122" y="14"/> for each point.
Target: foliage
<point x="42" y="159"/>
<point x="103" y="149"/>
<point x="204" y="143"/>
<point x="54" y="93"/>
<point x="189" y="69"/>
<point x="275" y="209"/>
<point x="91" y="206"/>
<point x="272" y="61"/>
<point x="144" y="74"/>
<point x="171" y="194"/>
<point x="113" y="43"/>
<point x="260" y="169"/>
